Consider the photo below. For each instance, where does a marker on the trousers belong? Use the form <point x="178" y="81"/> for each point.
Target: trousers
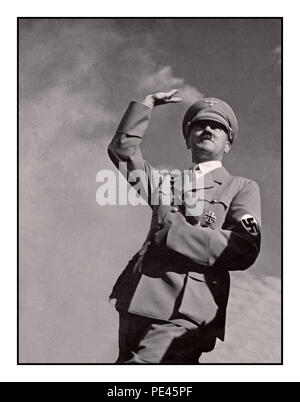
<point x="144" y="340"/>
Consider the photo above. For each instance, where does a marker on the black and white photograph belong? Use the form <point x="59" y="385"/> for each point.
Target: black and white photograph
<point x="150" y="190"/>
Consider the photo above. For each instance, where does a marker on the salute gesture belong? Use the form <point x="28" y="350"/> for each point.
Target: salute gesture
<point x="161" y="98"/>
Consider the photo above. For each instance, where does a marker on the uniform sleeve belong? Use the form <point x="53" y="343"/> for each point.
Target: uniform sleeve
<point x="124" y="147"/>
<point x="235" y="246"/>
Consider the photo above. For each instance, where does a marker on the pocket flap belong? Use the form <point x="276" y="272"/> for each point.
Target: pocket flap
<point x="221" y="200"/>
<point x="197" y="302"/>
<point x="196" y="275"/>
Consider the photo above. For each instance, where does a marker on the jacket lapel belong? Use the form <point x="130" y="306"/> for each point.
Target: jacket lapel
<point x="206" y="190"/>
<point x="205" y="186"/>
<point x="220" y="175"/>
<point x="207" y="181"/>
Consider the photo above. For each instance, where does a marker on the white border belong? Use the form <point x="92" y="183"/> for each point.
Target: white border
<point x="9" y="371"/>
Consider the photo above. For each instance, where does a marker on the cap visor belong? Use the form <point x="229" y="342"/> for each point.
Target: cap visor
<point x="211" y="116"/>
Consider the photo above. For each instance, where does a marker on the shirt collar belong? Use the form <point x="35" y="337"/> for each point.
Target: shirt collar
<point x="206" y="167"/>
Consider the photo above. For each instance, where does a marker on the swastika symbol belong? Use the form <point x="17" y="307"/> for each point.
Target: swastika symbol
<point x="250" y="224"/>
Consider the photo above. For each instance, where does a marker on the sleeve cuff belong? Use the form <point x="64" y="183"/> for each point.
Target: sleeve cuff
<point x="135" y="120"/>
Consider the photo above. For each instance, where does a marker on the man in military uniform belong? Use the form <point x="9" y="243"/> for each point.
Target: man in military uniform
<point x="172" y="296"/>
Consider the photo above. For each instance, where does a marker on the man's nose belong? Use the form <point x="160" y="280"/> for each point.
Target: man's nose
<point x="208" y="128"/>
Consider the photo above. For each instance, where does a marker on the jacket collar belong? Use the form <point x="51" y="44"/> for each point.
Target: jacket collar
<point x="209" y="180"/>
<point x="219" y="175"/>
<point x="206" y="167"/>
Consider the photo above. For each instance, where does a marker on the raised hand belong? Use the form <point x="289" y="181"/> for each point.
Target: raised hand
<point x="161" y="98"/>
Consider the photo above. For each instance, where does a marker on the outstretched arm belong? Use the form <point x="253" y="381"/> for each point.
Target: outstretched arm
<point x="125" y="145"/>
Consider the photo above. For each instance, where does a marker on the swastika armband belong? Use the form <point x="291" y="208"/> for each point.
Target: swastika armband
<point x="250" y="224"/>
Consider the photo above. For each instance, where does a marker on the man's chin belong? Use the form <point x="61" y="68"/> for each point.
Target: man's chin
<point x="206" y="146"/>
<point x="203" y="154"/>
<point x="210" y="139"/>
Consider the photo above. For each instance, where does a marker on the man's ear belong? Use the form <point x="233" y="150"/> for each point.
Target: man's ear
<point x="227" y="147"/>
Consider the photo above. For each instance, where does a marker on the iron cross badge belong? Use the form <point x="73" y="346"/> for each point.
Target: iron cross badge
<point x="210" y="217"/>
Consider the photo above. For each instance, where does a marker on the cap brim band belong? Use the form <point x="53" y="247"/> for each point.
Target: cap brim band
<point x="213" y="117"/>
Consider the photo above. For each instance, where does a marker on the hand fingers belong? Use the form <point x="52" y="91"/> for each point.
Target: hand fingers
<point x="171" y="93"/>
<point x="166" y="97"/>
<point x="175" y="100"/>
<point x="170" y="96"/>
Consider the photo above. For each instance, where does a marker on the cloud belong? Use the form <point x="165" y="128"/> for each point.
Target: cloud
<point x="75" y="77"/>
<point x="163" y="80"/>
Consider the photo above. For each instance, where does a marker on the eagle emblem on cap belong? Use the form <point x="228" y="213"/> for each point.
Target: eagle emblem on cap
<point x="210" y="103"/>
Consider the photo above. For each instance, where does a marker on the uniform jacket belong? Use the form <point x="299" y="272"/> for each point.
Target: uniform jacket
<point x="182" y="271"/>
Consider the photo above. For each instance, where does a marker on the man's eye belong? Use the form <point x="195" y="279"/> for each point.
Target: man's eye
<point x="199" y="127"/>
<point x="212" y="125"/>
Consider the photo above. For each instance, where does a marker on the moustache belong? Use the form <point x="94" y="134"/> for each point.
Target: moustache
<point x="206" y="135"/>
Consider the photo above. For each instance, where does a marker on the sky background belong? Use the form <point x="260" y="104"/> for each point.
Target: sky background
<point x="76" y="78"/>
